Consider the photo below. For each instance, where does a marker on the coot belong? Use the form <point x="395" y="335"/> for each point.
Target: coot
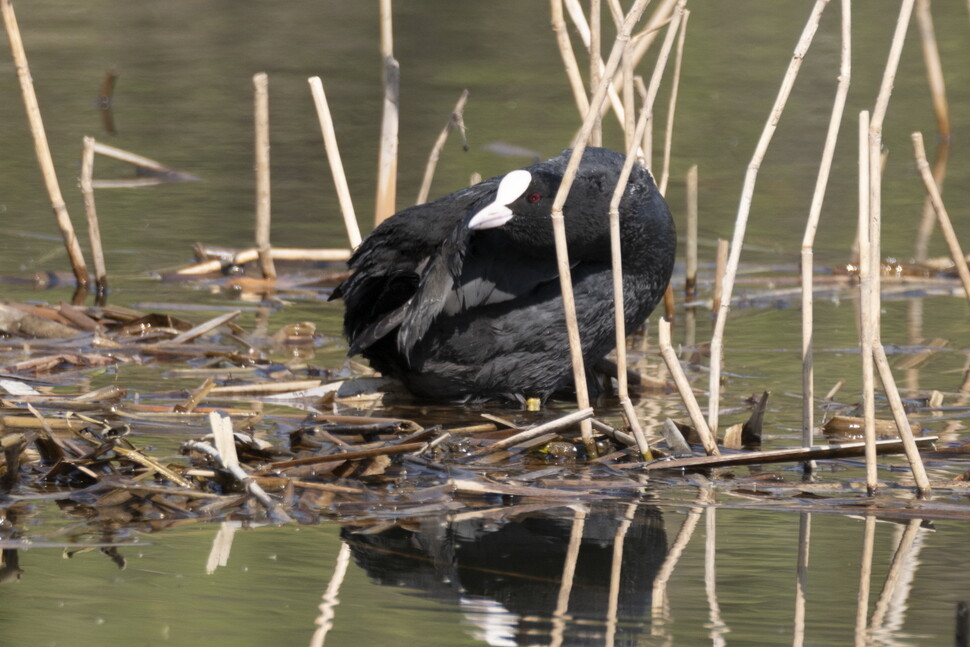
<point x="460" y="299"/>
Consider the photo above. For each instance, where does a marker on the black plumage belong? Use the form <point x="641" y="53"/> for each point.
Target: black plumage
<point x="460" y="298"/>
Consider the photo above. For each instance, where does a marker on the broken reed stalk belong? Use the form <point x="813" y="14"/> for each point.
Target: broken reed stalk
<point x="875" y="216"/>
<point x="934" y="68"/>
<point x="867" y="333"/>
<point x="261" y="122"/>
<point x="902" y="422"/>
<point x="744" y="208"/>
<point x="223" y="435"/>
<point x="569" y="419"/>
<point x="619" y="318"/>
<point x="387" y="159"/>
<point x="94" y="229"/>
<point x="333" y="158"/>
<point x="672" y="106"/>
<point x="568" y="56"/>
<point x="690" y="280"/>
<point x="41" y="147"/>
<point x="278" y="253"/>
<point x="683" y="387"/>
<point x="558" y="222"/>
<point x="455" y="120"/>
<point x="808" y="241"/>
<point x="933" y="191"/>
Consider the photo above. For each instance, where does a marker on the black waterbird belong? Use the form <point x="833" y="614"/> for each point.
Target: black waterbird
<point x="460" y="298"/>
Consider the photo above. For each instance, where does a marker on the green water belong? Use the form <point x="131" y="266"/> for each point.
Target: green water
<point x="184" y="97"/>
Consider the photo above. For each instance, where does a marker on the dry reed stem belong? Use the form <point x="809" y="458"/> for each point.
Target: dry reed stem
<point x="875" y="217"/>
<point x="672" y="106"/>
<point x="387" y="158"/>
<point x="934" y="68"/>
<point x="260" y="85"/>
<point x="619" y="318"/>
<point x="683" y="387"/>
<point x="928" y="218"/>
<point x="94" y="229"/>
<point x="455" y="119"/>
<point x="558" y="223"/>
<point x="595" y="61"/>
<point x="533" y="432"/>
<point x="276" y="513"/>
<point x="867" y="332"/>
<point x="568" y="56"/>
<point x="333" y="158"/>
<point x="644" y="39"/>
<point x="720" y="267"/>
<point x="690" y="281"/>
<point x="933" y="191"/>
<point x="654" y="86"/>
<point x="902" y="422"/>
<point x="747" y="194"/>
<point x="278" y="253"/>
<point x="583" y="29"/>
<point x="201" y="329"/>
<point x="808" y="241"/>
<point x="629" y="110"/>
<point x="131" y="158"/>
<point x="41" y="147"/>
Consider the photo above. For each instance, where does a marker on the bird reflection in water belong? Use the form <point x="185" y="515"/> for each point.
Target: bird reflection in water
<point x="569" y="575"/>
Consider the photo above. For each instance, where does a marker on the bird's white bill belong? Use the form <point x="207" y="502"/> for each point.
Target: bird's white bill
<point x="497" y="213"/>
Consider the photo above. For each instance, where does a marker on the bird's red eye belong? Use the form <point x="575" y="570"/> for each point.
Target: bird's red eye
<point x="534" y="197"/>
